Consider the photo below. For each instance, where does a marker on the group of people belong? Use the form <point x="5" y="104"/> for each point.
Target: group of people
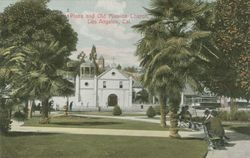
<point x="211" y="122"/>
<point x="185" y="116"/>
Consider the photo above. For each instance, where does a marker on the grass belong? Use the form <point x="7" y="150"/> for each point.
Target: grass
<point x="88" y="122"/>
<point x="107" y="113"/>
<point x="240" y="128"/>
<point x="35" y="145"/>
<point x="103" y="113"/>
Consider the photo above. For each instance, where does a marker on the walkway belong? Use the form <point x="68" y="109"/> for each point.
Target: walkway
<point x="238" y="147"/>
<point x="132" y="118"/>
<point x="17" y="127"/>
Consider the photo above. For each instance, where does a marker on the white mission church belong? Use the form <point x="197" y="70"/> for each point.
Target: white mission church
<point x="110" y="88"/>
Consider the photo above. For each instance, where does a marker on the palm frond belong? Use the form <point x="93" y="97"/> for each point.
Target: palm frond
<point x="156" y="12"/>
<point x="199" y="34"/>
<point x="145" y="24"/>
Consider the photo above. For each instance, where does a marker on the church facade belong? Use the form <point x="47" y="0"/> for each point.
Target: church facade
<point x="110" y="88"/>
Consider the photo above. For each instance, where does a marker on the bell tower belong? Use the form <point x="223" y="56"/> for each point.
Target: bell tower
<point x="101" y="63"/>
<point x="87" y="70"/>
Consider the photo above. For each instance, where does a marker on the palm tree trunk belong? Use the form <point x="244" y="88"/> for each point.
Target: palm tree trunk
<point x="174" y="102"/>
<point x="45" y="111"/>
<point x="30" y="109"/>
<point x="163" y="110"/>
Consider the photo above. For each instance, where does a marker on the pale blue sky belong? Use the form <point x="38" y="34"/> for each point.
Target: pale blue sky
<point x="113" y="40"/>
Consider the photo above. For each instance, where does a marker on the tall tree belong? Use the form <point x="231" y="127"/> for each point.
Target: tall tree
<point x="5" y="108"/>
<point x="93" y="58"/>
<point x="74" y="65"/>
<point x="168" y="52"/>
<point x="27" y="21"/>
<point x="231" y="35"/>
<point x="39" y="72"/>
<point x="226" y="72"/>
<point x="32" y="29"/>
<point x="243" y="67"/>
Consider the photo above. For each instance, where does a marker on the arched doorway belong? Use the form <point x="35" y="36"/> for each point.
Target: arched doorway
<point x="112" y="100"/>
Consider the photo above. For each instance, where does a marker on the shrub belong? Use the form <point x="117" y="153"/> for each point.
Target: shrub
<point x="117" y="111"/>
<point x="151" y="112"/>
<point x="234" y="115"/>
<point x="5" y="120"/>
<point x="242" y="104"/>
<point x="224" y="115"/>
<point x="157" y="109"/>
<point x="233" y="112"/>
<point x="19" y="116"/>
<point x="242" y="116"/>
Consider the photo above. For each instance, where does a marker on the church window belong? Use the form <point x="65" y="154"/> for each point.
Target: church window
<point x="104" y="84"/>
<point x="87" y="71"/>
<point x="86" y="84"/>
<point x="113" y="73"/>
<point x="120" y="84"/>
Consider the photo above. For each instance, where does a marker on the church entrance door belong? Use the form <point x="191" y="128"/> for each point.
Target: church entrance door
<point x="112" y="100"/>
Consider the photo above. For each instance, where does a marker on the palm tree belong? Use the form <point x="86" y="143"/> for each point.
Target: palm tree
<point x="168" y="51"/>
<point x="142" y="96"/>
<point x="39" y="72"/>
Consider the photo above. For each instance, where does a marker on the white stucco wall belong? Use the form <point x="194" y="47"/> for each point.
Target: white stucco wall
<point x="113" y="78"/>
<point x="122" y="96"/>
<point x="93" y="93"/>
<point x="89" y="81"/>
<point x="110" y="75"/>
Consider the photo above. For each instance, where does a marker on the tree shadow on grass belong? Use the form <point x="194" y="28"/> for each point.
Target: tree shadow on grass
<point x="72" y="117"/>
<point x="191" y="138"/>
<point x="222" y="147"/>
<point x="85" y="123"/>
<point x="243" y="130"/>
<point x="20" y="134"/>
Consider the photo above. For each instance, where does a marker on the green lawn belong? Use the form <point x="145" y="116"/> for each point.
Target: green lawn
<point x="87" y="122"/>
<point x="240" y="128"/>
<point x="106" y="113"/>
<point x="35" y="145"/>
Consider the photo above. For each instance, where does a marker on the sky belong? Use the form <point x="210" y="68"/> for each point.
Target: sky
<point x="103" y="23"/>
